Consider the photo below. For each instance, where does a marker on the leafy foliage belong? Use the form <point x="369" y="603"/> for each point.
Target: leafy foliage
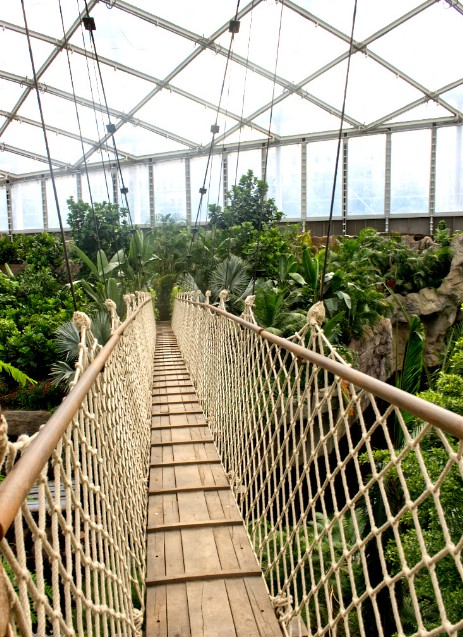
<point x="248" y="203"/>
<point x="105" y="227"/>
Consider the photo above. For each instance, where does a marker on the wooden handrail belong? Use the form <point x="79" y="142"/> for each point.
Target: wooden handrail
<point x="429" y="412"/>
<point x="19" y="481"/>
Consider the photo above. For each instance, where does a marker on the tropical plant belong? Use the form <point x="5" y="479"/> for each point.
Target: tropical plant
<point x="230" y="275"/>
<point x="67" y="341"/>
<point x="273" y="312"/>
<point x="135" y="265"/>
<point x="248" y="202"/>
<point x="102" y="286"/>
<point x="103" y="227"/>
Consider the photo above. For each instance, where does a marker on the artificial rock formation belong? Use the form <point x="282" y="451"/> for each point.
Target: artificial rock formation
<point x="437" y="308"/>
<point x="380" y="351"/>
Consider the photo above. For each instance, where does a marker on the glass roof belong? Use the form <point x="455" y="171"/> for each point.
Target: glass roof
<point x="164" y="72"/>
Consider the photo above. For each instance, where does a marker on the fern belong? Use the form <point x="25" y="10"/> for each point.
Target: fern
<point x="16" y="374"/>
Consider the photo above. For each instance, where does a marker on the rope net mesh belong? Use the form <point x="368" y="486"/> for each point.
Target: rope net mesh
<point x="74" y="559"/>
<point x="352" y="512"/>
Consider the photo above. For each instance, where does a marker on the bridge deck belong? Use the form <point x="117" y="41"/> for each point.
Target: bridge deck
<point x="202" y="575"/>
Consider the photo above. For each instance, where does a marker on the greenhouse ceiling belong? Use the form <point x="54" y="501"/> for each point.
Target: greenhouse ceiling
<point x="165" y="75"/>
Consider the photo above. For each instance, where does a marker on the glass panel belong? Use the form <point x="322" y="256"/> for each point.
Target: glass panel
<point x="296" y="116"/>
<point x="204" y="21"/>
<point x="100" y="186"/>
<point x="3" y="210"/>
<point x="91" y="122"/>
<point x="244" y="134"/>
<point x="137" y="43"/>
<point x="284" y="179"/>
<point x="137" y="140"/>
<point x="429" y="111"/>
<point x="122" y="90"/>
<point x="26" y="205"/>
<point x="410" y="166"/>
<point x="13" y="163"/>
<point x="41" y="16"/>
<point x="366" y="175"/>
<point x="449" y="173"/>
<point x="455" y="97"/>
<point x="214" y="186"/>
<point x="321" y="163"/>
<point x="368" y="20"/>
<point x="169" y="189"/>
<point x="66" y="187"/>
<point x="10" y="92"/>
<point x="240" y="83"/>
<point x="181" y="116"/>
<point x="136" y="179"/>
<point x="240" y="163"/>
<point x="372" y="92"/>
<point x="303" y="49"/>
<point x="20" y="62"/>
<point x="425" y="46"/>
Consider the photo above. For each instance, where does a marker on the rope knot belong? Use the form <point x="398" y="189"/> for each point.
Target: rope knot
<point x="208" y="296"/>
<point x="249" y="302"/>
<point x="316" y="315"/>
<point x="109" y="303"/>
<point x="223" y="295"/>
<point x="283" y="606"/>
<point x="81" y="320"/>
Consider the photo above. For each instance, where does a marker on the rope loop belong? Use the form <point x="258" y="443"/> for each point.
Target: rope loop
<point x="223" y="296"/>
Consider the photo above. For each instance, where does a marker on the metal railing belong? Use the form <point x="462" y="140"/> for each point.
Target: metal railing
<point x="351" y="489"/>
<point x="72" y="548"/>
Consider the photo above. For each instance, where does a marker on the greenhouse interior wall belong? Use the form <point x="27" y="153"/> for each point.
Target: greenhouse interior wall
<point x="402" y="181"/>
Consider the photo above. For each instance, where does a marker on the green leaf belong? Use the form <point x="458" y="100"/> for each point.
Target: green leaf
<point x="298" y="278"/>
<point x="88" y="262"/>
<point x="345" y="297"/>
<point x="16" y="374"/>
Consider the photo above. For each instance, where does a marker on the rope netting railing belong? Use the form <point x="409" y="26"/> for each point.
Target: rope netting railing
<point x="73" y="496"/>
<point x="351" y="490"/>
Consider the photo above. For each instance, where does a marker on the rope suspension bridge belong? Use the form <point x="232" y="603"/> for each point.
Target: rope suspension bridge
<point x="220" y="480"/>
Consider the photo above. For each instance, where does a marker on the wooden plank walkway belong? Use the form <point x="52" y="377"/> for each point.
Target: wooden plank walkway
<point x="202" y="576"/>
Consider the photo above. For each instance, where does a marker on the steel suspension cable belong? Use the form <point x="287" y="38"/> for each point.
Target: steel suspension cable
<point x="95" y="223"/>
<point x="338" y="152"/>
<point x="111" y="127"/>
<point x="214" y="130"/>
<point x="264" y="176"/>
<point x="50" y="164"/>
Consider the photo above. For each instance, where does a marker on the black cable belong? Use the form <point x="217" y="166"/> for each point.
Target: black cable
<point x="111" y="130"/>
<point x="116" y="152"/>
<point x="95" y="223"/>
<point x="203" y="189"/>
<point x="244" y="94"/>
<point x="333" y="190"/>
<point x="50" y="165"/>
<point x="264" y="176"/>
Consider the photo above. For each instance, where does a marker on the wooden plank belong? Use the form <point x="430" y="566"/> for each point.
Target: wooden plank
<point x="178" y="621"/>
<point x="174" y="554"/>
<point x="155" y="545"/>
<point x="202" y="575"/>
<point x="202" y="487"/>
<point x="238" y="539"/>
<point x="249" y="622"/>
<point x="156" y="612"/>
<point x="183" y="462"/>
<point x="200" y="524"/>
<point x="194" y="441"/>
<point x="209" y="610"/>
<point x="200" y="551"/>
<point x="262" y="607"/>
